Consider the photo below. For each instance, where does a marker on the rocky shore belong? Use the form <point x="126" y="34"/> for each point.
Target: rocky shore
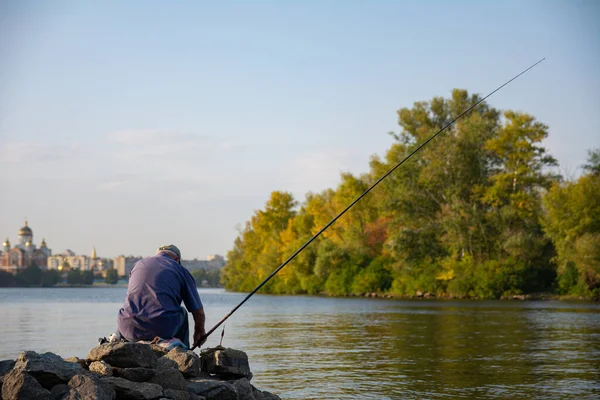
<point x="132" y="371"/>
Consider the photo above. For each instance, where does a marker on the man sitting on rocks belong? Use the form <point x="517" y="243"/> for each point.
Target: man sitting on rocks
<point x="152" y="308"/>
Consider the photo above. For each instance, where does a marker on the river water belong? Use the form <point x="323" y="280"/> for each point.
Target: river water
<point x="303" y="347"/>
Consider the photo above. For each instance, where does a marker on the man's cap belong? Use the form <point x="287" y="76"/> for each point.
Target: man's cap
<point x="170" y="248"/>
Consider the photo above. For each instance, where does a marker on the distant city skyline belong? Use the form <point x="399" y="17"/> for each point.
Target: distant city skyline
<point x="128" y="125"/>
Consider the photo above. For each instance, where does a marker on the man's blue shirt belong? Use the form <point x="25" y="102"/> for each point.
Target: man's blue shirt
<point x="157" y="285"/>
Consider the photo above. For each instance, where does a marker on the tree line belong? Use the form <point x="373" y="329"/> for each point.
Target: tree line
<point x="478" y="213"/>
<point x="34" y="276"/>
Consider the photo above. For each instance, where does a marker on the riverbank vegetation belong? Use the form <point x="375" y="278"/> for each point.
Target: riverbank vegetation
<point x="480" y="212"/>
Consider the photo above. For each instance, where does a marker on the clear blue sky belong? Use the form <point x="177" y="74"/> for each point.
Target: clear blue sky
<point x="129" y="124"/>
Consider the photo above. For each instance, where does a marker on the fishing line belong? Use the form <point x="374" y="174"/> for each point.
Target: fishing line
<point x="358" y="199"/>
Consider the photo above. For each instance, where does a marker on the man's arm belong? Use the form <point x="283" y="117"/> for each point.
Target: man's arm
<point x="199" y="330"/>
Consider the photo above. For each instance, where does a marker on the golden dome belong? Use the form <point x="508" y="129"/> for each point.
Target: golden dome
<point x="25" y="231"/>
<point x="43" y="244"/>
<point x="6" y="243"/>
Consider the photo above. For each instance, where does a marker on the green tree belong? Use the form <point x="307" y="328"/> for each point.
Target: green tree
<point x="572" y="222"/>
<point x="462" y="217"/>
<point x="87" y="277"/>
<point x="257" y="250"/>
<point x="7" y="279"/>
<point x="592" y="166"/>
<point x="50" y="277"/>
<point x="30" y="276"/>
<point x="111" y="276"/>
<point x="74" y="277"/>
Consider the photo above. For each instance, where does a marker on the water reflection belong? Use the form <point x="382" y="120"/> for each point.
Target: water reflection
<point x="310" y="347"/>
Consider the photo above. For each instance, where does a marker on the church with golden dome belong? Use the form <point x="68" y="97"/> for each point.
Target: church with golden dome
<point x="25" y="253"/>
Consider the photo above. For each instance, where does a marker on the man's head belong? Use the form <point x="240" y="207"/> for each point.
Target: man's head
<point x="171" y="250"/>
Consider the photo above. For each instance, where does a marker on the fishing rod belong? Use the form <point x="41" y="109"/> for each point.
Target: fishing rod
<point x="316" y="235"/>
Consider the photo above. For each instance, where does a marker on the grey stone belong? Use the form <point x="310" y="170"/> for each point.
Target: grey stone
<point x="212" y="389"/>
<point x="134" y="374"/>
<point x="181" y="395"/>
<point x="101" y="368"/>
<point x="134" y="390"/>
<point x="59" y="391"/>
<point x="227" y="363"/>
<point x="245" y="390"/>
<point x="159" y="351"/>
<point x="169" y="378"/>
<point x="89" y="387"/>
<point x="48" y="368"/>
<point x="5" y="367"/>
<point x="78" y="360"/>
<point x="124" y="355"/>
<point x="19" y="385"/>
<point x="269" y="396"/>
<point x="166" y="363"/>
<point x="188" y="362"/>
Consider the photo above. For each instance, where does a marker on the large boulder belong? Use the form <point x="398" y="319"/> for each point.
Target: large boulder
<point x="18" y="385"/>
<point x="181" y="395"/>
<point x="187" y="361"/>
<point x="245" y="390"/>
<point x="101" y="368"/>
<point x="134" y="374"/>
<point x="158" y="350"/>
<point x="59" y="391"/>
<point x="124" y="355"/>
<point x="89" y="387"/>
<point x="227" y="363"/>
<point x="5" y="367"/>
<point x="79" y="361"/>
<point x="134" y="390"/>
<point x="48" y="368"/>
<point x="212" y="389"/>
<point x="169" y="378"/>
<point x="269" y="396"/>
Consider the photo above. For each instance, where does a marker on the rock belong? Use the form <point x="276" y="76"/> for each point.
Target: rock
<point x="269" y="396"/>
<point x="124" y="355"/>
<point x="164" y="362"/>
<point x="48" y="368"/>
<point x="245" y="390"/>
<point x="101" y="368"/>
<point x="159" y="351"/>
<point x="187" y="361"/>
<point x="226" y="363"/>
<point x="169" y="378"/>
<point x="5" y="367"/>
<point x="59" y="391"/>
<point x="18" y="384"/>
<point x="77" y="360"/>
<point x="134" y="374"/>
<point x="181" y="395"/>
<point x="419" y="293"/>
<point x="134" y="390"/>
<point x="89" y="387"/>
<point x="212" y="389"/>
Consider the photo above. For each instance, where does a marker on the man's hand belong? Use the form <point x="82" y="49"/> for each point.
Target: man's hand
<point x="199" y="338"/>
<point x="199" y="330"/>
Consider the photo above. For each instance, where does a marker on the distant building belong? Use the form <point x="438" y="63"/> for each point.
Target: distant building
<point x="25" y="253"/>
<point x="212" y="262"/>
<point x="124" y="264"/>
<point x="69" y="260"/>
<point x="215" y="261"/>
